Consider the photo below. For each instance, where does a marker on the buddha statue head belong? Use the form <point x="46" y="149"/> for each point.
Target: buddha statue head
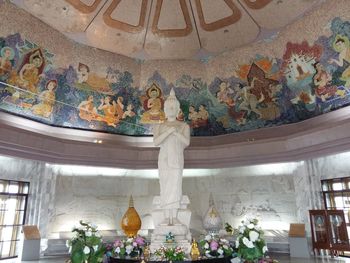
<point x="171" y="106"/>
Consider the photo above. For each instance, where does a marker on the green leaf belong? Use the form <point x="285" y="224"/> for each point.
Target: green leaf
<point x="77" y="257"/>
<point x="228" y="228"/>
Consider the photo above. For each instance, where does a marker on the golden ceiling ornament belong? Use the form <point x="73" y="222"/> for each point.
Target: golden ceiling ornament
<point x="131" y="221"/>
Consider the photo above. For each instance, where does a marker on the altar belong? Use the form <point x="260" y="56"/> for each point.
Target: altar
<point x="207" y="260"/>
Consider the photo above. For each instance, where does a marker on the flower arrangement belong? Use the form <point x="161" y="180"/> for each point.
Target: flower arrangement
<point x="86" y="245"/>
<point x="170" y="253"/>
<point x="213" y="246"/>
<point x="128" y="247"/>
<point x="250" y="244"/>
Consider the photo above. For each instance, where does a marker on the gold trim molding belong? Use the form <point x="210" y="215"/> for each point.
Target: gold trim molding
<point x="116" y="24"/>
<point x="84" y="8"/>
<point x="257" y="4"/>
<point x="172" y="32"/>
<point x="229" y="20"/>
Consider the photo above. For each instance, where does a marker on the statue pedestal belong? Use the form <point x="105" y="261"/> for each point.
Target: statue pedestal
<point x="179" y="230"/>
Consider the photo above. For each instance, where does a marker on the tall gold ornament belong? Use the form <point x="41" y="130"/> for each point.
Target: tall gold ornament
<point x="131" y="221"/>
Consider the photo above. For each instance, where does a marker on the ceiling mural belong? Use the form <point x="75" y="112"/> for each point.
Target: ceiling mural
<point x="308" y="80"/>
<point x="167" y="29"/>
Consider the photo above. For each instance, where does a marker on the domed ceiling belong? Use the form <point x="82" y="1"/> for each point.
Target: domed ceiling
<point x="167" y="29"/>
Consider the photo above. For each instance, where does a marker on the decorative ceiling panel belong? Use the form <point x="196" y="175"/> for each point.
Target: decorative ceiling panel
<point x="227" y="32"/>
<point x="277" y="13"/>
<point x="166" y="29"/>
<point x="128" y="16"/>
<point x="169" y="40"/>
<point x="114" y="31"/>
<point x="67" y="16"/>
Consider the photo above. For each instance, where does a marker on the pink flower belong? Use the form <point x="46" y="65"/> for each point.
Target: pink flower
<point x="214" y="245"/>
<point x="118" y="243"/>
<point x="140" y="241"/>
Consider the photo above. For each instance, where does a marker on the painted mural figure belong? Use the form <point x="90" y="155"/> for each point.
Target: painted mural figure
<point x="193" y="117"/>
<point x="47" y="98"/>
<point x="119" y="108"/>
<point x="342" y="46"/>
<point x="7" y="54"/>
<point x="223" y="95"/>
<point x="129" y="112"/>
<point x="109" y="111"/>
<point x="324" y="90"/>
<point x="153" y="106"/>
<point x="203" y="115"/>
<point x="249" y="100"/>
<point x="198" y="118"/>
<point x="30" y="71"/>
<point x="83" y="73"/>
<point x="112" y="75"/>
<point x="88" y="80"/>
<point x="87" y="109"/>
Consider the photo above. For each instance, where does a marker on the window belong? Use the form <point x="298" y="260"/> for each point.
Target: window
<point x="336" y="195"/>
<point x="13" y="204"/>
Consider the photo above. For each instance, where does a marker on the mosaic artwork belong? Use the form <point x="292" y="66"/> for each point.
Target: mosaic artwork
<point x="310" y="79"/>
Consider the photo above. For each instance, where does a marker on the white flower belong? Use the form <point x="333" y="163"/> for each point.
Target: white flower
<point x="88" y="234"/>
<point x="134" y="244"/>
<point x="207" y="237"/>
<point x="225" y="246"/>
<point x="264" y="249"/>
<point x="237" y="243"/>
<point x="93" y="226"/>
<point x="224" y="241"/>
<point x="130" y="240"/>
<point x="253" y="235"/>
<point x="206" y="246"/>
<point x="250" y="226"/>
<point x="241" y="229"/>
<point x="247" y="242"/>
<point x="220" y="251"/>
<point x="97" y="234"/>
<point x="67" y="243"/>
<point x="95" y="248"/>
<point x="236" y="260"/>
<point x="128" y="249"/>
<point x="86" y="250"/>
<point x="117" y="250"/>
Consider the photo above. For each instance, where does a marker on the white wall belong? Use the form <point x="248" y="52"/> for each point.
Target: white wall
<point x="41" y="189"/>
<point x="103" y="200"/>
<point x="58" y="201"/>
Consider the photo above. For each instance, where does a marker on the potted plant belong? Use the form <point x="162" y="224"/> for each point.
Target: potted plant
<point x="170" y="253"/>
<point x="213" y="246"/>
<point x="86" y="245"/>
<point x="129" y="247"/>
<point x="250" y="244"/>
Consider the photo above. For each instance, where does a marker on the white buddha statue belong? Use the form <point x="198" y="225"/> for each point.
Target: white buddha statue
<point x="172" y="137"/>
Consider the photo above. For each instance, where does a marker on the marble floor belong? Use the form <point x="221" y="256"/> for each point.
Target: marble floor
<point x="280" y="258"/>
